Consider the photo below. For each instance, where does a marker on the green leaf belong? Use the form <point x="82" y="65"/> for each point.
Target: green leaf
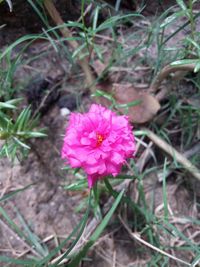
<point x="75" y="262"/>
<point x="197" y="67"/>
<point x="20" y="143"/>
<point x="140" y="133"/>
<point x="176" y="232"/>
<point x="180" y="28"/>
<point x="8" y="50"/>
<point x="78" y="50"/>
<point x="11" y="194"/>
<point x="98" y="51"/>
<point x="80" y="226"/>
<point x="111" y="22"/>
<point x="74" y="24"/>
<point x="18" y="262"/>
<point x="41" y="249"/>
<point x="184" y="62"/>
<point x="130" y="104"/>
<point x="171" y="18"/>
<point x="79" y="185"/>
<point x="96" y="15"/>
<point x="9" y="4"/>
<point x="37" y="10"/>
<point x="31" y="134"/>
<point x="181" y="4"/>
<point x="125" y="199"/>
<point x="165" y="190"/>
<point x="195" y="261"/>
<point x="117" y="5"/>
<point x="7" y="105"/>
<point x="194" y="43"/>
<point x="51" y="40"/>
<point x="100" y="93"/>
<point x="22" y="119"/>
<point x="16" y="227"/>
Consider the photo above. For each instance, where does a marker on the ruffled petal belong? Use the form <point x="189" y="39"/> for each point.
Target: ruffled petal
<point x="99" y="141"/>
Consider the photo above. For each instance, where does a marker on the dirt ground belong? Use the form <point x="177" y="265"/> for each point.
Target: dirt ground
<point x="48" y="209"/>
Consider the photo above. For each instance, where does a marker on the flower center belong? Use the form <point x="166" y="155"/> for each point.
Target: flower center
<point x="100" y="139"/>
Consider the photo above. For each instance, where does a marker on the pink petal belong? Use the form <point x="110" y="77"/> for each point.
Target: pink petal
<point x="99" y="141"/>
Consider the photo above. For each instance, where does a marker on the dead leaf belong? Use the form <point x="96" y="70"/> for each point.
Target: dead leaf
<point x="143" y="112"/>
<point x="125" y="94"/>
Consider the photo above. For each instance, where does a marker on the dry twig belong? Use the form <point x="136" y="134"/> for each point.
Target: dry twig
<point x="165" y="72"/>
<point x="83" y="62"/>
<point x="174" y="154"/>
<point x="136" y="237"/>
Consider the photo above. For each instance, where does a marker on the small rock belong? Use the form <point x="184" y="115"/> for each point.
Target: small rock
<point x="64" y="112"/>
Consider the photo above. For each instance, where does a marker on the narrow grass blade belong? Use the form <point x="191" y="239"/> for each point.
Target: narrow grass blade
<point x="176" y="232"/>
<point x="9" y="195"/>
<point x="18" y="262"/>
<point x="171" y="18"/>
<point x="185" y="62"/>
<point x="117" y="5"/>
<point x="95" y="20"/>
<point x="30" y="37"/>
<point x="41" y="249"/>
<point x="10" y="5"/>
<point x="130" y="104"/>
<point x="75" y="262"/>
<point x="78" y="185"/>
<point x="181" y="4"/>
<point x="195" y="261"/>
<point x="111" y="22"/>
<point x="7" y="105"/>
<point x="165" y="190"/>
<point x="17" y="229"/>
<point x="126" y="200"/>
<point x="80" y="226"/>
<point x="180" y="29"/>
<point x="38" y="12"/>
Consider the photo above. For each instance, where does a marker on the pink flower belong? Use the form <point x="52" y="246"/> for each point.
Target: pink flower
<point x="99" y="141"/>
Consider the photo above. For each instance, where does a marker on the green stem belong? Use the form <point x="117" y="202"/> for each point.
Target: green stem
<point x="191" y="17"/>
<point x="96" y="194"/>
<point x="110" y="189"/>
<point x="82" y="226"/>
<point x="84" y="27"/>
<point x="96" y="201"/>
<point x="128" y="201"/>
